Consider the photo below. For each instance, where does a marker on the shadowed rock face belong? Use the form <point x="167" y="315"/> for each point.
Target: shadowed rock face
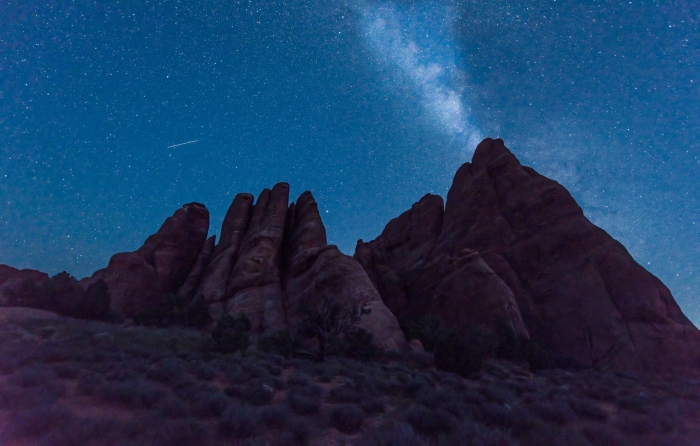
<point x="531" y="248"/>
<point x="138" y="281"/>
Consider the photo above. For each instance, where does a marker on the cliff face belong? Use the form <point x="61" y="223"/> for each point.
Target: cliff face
<point x="514" y="246"/>
<point x="508" y="249"/>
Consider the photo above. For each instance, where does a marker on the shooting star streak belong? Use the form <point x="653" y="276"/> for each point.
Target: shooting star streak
<point x="182" y="144"/>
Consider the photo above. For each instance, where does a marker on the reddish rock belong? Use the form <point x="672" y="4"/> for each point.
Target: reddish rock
<point x="214" y="284"/>
<point x="25" y="288"/>
<point x="61" y="293"/>
<point x="255" y="287"/>
<point x="416" y="277"/>
<point x="138" y="281"/>
<point x="316" y="272"/>
<point x="576" y="288"/>
<point x="194" y="278"/>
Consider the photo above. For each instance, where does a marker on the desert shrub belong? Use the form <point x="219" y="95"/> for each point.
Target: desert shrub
<point x="498" y="394"/>
<point x="180" y="433"/>
<point x="587" y="409"/>
<point x="372" y="405"/>
<point x="15" y="398"/>
<point x="203" y="370"/>
<point x="257" y="393"/>
<point x="399" y="434"/>
<point x="302" y="383"/>
<point x="297" y="434"/>
<point x="427" y="421"/>
<point x="417" y="384"/>
<point x="209" y="403"/>
<point x="347" y="418"/>
<point x="429" y="398"/>
<point x="271" y="367"/>
<point x="8" y="364"/>
<point x="358" y="343"/>
<point x="557" y="412"/>
<point x="232" y="333"/>
<point x="428" y="330"/>
<point x="303" y="403"/>
<point x="274" y="416"/>
<point x="280" y="342"/>
<point x="166" y="370"/>
<point x="462" y="410"/>
<point x="133" y="394"/>
<point x="172" y="407"/>
<point x="234" y="390"/>
<point x="458" y="354"/>
<point x="31" y="377"/>
<point x="473" y="434"/>
<point x="344" y="393"/>
<point x="497" y="414"/>
<point x="67" y="370"/>
<point x="34" y="423"/>
<point x="95" y="303"/>
<point x="238" y="422"/>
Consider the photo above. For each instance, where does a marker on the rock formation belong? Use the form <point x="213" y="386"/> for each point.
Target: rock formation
<point x="509" y="249"/>
<point x="514" y="245"/>
<point x="139" y="281"/>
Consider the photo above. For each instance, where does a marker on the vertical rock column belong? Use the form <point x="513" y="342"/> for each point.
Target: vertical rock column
<point x="255" y="287"/>
<point x="216" y="276"/>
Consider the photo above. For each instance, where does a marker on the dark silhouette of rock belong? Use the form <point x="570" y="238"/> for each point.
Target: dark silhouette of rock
<point x="577" y="289"/>
<point x="416" y="277"/>
<point x="255" y="286"/>
<point x="194" y="278"/>
<point x="214" y="285"/>
<point x="317" y="272"/>
<point x="25" y="288"/>
<point x="138" y="281"/>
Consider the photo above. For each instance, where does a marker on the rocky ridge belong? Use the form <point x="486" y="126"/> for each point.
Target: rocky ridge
<point x="509" y="249"/>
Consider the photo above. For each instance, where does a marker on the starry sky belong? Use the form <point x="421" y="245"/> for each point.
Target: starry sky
<point x="368" y="104"/>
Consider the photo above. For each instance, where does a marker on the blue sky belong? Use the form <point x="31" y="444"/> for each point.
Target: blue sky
<point x="367" y="104"/>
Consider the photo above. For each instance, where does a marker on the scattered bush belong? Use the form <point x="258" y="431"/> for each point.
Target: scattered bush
<point x="588" y="409"/>
<point x="556" y="412"/>
<point x="167" y="370"/>
<point x="257" y="393"/>
<point x="399" y="434"/>
<point x="458" y="354"/>
<point x="209" y="403"/>
<point x="238" y="422"/>
<point x="280" y="342"/>
<point x="34" y="423"/>
<point x="172" y="407"/>
<point x="274" y="416"/>
<point x="372" y="405"/>
<point x="180" y="433"/>
<point x="345" y="393"/>
<point x="303" y="404"/>
<point x="133" y="394"/>
<point x="31" y="377"/>
<point x="232" y="333"/>
<point x="347" y="418"/>
<point x="427" y="421"/>
<point x="358" y="343"/>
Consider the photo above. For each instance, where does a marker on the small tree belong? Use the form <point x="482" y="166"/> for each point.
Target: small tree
<point x="334" y="329"/>
<point x="232" y="333"/>
<point x="458" y="353"/>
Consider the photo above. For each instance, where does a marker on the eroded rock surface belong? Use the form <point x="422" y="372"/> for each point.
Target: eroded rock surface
<point x="532" y="250"/>
<point x="138" y="281"/>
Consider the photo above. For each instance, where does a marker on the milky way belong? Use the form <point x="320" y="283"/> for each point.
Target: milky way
<point x="368" y="104"/>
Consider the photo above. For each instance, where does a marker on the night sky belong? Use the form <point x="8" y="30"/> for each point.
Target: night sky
<point x="369" y="105"/>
